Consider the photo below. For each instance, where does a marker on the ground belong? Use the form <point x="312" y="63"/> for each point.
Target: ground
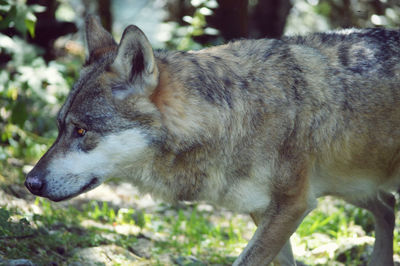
<point x="115" y="225"/>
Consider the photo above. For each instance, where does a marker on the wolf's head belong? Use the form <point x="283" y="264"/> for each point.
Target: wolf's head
<point x="107" y="124"/>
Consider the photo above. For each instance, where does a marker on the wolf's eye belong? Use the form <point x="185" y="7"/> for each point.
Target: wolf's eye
<point x="80" y="131"/>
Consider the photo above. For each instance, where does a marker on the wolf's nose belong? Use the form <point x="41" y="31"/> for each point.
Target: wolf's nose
<point x="34" y="184"/>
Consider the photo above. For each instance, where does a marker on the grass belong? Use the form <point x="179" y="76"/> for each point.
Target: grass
<point x="48" y="238"/>
<point x="53" y="236"/>
<point x="49" y="234"/>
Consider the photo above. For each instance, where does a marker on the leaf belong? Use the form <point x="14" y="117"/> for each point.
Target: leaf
<point x="20" y="25"/>
<point x="212" y="4"/>
<point x="19" y="113"/>
<point x="4" y="23"/>
<point x="187" y="19"/>
<point x="37" y="8"/>
<point x="197" y="3"/>
<point x="211" y="31"/>
<point x="30" y="25"/>
<point x="140" y="219"/>
<point x="12" y="93"/>
<point x="11" y="14"/>
<point x="205" y="11"/>
<point x="4" y="215"/>
<point x="4" y="6"/>
<point x="4" y="221"/>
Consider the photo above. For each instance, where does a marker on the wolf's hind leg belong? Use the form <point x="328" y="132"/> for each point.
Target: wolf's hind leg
<point x="382" y="209"/>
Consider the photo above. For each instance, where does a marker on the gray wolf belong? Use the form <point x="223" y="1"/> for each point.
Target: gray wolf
<point x="263" y="127"/>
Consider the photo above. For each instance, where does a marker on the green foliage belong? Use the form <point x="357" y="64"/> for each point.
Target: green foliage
<point x="55" y="232"/>
<point x="191" y="233"/>
<point x="30" y="92"/>
<point x="106" y="214"/>
<point x="336" y="224"/>
<point x="45" y="238"/>
<point x="30" y="89"/>
<point x="323" y="8"/>
<point x="338" y="232"/>
<point x="16" y="14"/>
<point x="13" y="229"/>
<point x="52" y="233"/>
<point x="182" y="37"/>
<point x="103" y="214"/>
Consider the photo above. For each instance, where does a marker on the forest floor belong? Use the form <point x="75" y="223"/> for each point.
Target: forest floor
<point x="115" y="225"/>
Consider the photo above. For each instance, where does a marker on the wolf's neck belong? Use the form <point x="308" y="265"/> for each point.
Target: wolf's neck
<point x="186" y="115"/>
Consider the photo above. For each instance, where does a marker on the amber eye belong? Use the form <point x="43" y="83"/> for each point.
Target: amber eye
<point x="80" y="131"/>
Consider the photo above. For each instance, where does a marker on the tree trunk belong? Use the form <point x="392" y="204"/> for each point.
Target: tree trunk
<point x="231" y="19"/>
<point x="104" y="7"/>
<point x="269" y="17"/>
<point x="48" y="28"/>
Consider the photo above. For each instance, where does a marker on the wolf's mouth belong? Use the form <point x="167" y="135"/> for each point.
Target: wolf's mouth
<point x="91" y="184"/>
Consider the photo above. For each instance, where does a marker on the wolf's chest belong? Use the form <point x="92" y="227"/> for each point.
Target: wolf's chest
<point x="241" y="194"/>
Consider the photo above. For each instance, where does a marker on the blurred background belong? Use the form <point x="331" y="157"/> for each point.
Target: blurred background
<point x="41" y="52"/>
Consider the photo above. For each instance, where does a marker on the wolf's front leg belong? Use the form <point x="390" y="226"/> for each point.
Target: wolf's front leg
<point x="290" y="203"/>
<point x="285" y="256"/>
<point x="273" y="231"/>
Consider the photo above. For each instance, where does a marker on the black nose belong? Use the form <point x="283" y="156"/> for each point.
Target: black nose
<point x="34" y="184"/>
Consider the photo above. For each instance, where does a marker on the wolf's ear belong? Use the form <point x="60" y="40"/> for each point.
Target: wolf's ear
<point x="98" y="40"/>
<point x="135" y="61"/>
